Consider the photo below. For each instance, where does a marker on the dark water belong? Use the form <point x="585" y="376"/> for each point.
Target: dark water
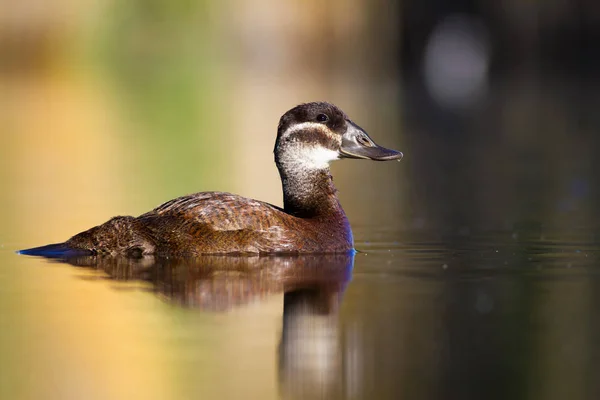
<point x="414" y="314"/>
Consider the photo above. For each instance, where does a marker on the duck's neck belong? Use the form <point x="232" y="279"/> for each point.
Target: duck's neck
<point x="308" y="192"/>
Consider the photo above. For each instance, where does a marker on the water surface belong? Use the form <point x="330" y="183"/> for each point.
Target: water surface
<point x="505" y="314"/>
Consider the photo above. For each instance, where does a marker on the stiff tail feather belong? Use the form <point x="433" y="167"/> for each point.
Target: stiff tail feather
<point x="57" y="250"/>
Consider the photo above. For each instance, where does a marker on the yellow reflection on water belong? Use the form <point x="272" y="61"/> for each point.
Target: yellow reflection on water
<point x="100" y="332"/>
<point x="82" y="335"/>
<point x="68" y="346"/>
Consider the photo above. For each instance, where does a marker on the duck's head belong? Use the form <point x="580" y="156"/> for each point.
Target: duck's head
<point x="313" y="134"/>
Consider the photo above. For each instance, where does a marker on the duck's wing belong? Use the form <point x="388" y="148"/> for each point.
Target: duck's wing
<point x="216" y="222"/>
<point x="223" y="211"/>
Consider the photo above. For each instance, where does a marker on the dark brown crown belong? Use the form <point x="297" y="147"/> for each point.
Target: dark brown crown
<point x="312" y="112"/>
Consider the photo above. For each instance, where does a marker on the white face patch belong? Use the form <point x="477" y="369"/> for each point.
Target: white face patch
<point x="305" y="125"/>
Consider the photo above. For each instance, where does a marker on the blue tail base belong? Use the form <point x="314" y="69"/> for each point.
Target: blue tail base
<point x="58" y="250"/>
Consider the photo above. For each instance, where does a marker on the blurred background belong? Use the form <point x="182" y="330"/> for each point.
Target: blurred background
<point x="111" y="107"/>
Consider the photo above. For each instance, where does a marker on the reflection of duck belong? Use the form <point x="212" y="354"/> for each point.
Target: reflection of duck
<point x="310" y="353"/>
<point x="219" y="283"/>
<point x="309" y="136"/>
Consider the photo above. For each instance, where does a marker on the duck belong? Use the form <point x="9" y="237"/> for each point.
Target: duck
<point x="312" y="220"/>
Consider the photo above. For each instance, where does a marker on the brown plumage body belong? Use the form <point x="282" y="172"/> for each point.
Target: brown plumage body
<point x="219" y="223"/>
<point x="311" y="221"/>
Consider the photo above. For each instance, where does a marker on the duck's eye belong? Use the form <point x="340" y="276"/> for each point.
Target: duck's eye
<point x="322" y="118"/>
<point x="364" y="141"/>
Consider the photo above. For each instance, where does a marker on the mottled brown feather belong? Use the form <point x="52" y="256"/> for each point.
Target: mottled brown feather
<point x="217" y="223"/>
